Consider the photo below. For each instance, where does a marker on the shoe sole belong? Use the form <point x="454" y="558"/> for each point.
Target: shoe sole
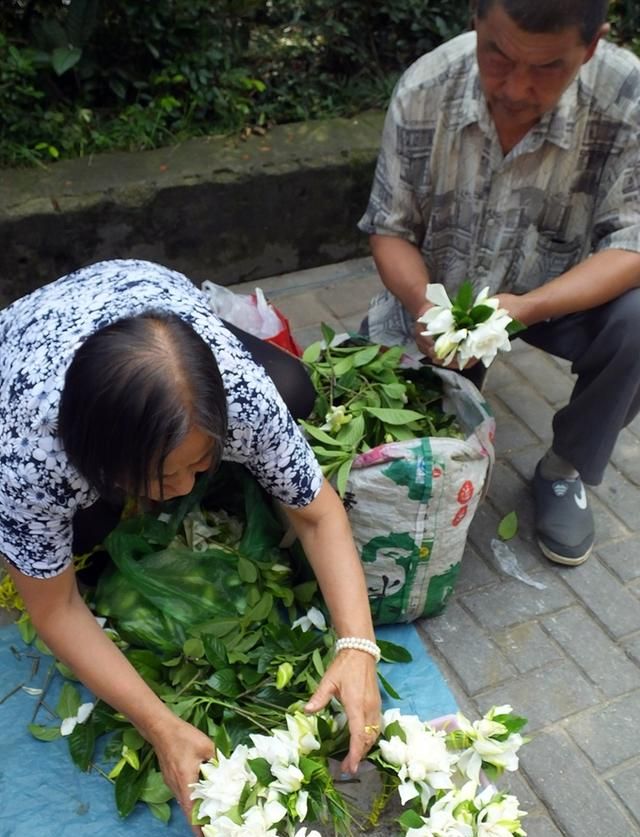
<point x="563" y="559"/>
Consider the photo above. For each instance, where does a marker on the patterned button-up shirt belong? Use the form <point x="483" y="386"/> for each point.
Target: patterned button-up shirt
<point x="569" y="188"/>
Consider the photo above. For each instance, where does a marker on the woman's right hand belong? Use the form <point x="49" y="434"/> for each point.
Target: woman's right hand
<point x="181" y="748"/>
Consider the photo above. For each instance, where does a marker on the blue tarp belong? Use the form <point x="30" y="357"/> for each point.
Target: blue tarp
<point x="43" y="794"/>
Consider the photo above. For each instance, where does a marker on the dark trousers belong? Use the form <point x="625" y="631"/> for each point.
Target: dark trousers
<point x="603" y="345"/>
<point x="92" y="525"/>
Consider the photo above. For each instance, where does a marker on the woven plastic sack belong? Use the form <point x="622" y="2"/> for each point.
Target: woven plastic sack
<point x="410" y="505"/>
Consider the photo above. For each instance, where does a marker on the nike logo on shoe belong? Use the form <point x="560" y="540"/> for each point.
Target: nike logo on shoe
<point x="581" y="498"/>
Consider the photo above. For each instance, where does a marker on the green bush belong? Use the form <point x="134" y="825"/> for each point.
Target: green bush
<point x="90" y="75"/>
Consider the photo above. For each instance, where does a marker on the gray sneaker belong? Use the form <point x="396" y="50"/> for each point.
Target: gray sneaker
<point x="564" y="522"/>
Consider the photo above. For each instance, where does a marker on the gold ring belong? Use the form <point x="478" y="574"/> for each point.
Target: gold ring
<point x="371" y="729"/>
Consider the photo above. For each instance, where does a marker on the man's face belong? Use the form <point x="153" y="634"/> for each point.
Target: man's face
<point x="524" y="74"/>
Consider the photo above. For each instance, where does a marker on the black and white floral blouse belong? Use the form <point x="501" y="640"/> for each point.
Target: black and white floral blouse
<point x="39" y="489"/>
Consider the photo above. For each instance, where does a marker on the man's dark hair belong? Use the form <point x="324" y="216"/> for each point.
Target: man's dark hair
<point x="551" y="15"/>
<point x="132" y="393"/>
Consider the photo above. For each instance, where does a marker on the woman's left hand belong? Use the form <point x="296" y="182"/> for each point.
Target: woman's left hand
<point x="352" y="679"/>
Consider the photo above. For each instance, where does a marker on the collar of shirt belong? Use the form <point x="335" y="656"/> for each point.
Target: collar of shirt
<point x="556" y="126"/>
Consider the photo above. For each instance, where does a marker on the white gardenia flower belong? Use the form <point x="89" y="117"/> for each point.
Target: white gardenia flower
<point x="69" y="724"/>
<point x="487" y="339"/>
<point x="499" y="818"/>
<point x="448" y="344"/>
<point x="437" y="320"/>
<point x="302" y="805"/>
<point x="288" y="779"/>
<point x="302" y="832"/>
<point x="223" y="782"/>
<point x="437" y="294"/>
<point x="280" y="748"/>
<point x="303" y="729"/>
<point x="314" y="618"/>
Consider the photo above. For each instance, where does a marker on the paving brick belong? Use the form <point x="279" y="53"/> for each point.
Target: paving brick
<point x="604" y="595"/>
<point x="305" y="310"/>
<point x="346" y="299"/>
<point x="484" y="528"/>
<point x="516" y="784"/>
<point x="544" y="376"/>
<point x="620" y="496"/>
<point x="527" y="646"/>
<point x="531" y="408"/>
<point x="626" y="456"/>
<point x="511" y="433"/>
<point x="540" y="826"/>
<point x="513" y="602"/>
<point x="622" y="557"/>
<point x="632" y="648"/>
<point x="509" y="492"/>
<point x="626" y="784"/>
<point x="500" y="377"/>
<point x="474" y="571"/>
<point x="544" y="696"/>
<point x="611" y="735"/>
<point x="589" y="646"/>
<point x="577" y="801"/>
<point x="469" y="651"/>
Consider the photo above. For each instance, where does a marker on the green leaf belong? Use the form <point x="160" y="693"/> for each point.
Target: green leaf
<point x="262" y="770"/>
<point x="69" y="701"/>
<point x="64" y="58"/>
<point x="128" y="787"/>
<point x="27" y="631"/>
<point x="366" y="355"/>
<point x="215" y="651"/>
<point x="160" y="810"/>
<point x="389" y="415"/>
<point x="508" y="526"/>
<point x="515" y="327"/>
<point x="247" y="570"/>
<point x="65" y="671"/>
<point x="154" y="790"/>
<point x="388" y="687"/>
<point x="320" y="435"/>
<point x="327" y="333"/>
<point x="464" y="297"/>
<point x="411" y="819"/>
<point x="193" y="648"/>
<point x="42" y="648"/>
<point x="392" y="653"/>
<point x="81" y="21"/>
<point x="312" y="352"/>
<point x="81" y="745"/>
<point x="342" y="476"/>
<point x="44" y="733"/>
<point x="395" y="728"/>
<point x="132" y="738"/>
<point x="350" y="434"/>
<point x="261" y="610"/>
<point x="481" y="313"/>
<point x="225" y="682"/>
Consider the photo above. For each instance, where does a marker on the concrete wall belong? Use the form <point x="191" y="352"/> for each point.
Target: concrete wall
<point x="217" y="208"/>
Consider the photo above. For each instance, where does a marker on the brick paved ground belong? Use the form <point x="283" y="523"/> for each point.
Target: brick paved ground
<point x="566" y="652"/>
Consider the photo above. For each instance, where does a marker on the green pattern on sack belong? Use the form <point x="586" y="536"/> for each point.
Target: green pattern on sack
<point x="392" y="563"/>
<point x="414" y="473"/>
<point x="440" y="589"/>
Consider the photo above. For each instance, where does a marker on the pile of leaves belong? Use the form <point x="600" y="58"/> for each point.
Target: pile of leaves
<point x="203" y="604"/>
<point x="368" y="395"/>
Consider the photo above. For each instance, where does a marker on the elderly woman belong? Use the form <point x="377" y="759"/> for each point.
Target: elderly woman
<point x="118" y="379"/>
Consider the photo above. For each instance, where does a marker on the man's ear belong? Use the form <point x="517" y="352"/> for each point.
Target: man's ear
<point x="602" y="32"/>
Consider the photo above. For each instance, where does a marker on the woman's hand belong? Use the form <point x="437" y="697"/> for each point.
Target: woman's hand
<point x="352" y="679"/>
<point x="181" y="748"/>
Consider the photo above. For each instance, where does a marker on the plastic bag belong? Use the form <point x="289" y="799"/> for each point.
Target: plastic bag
<point x="160" y="589"/>
<point x="252" y="313"/>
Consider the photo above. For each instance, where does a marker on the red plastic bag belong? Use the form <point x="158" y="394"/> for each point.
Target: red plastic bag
<point x="254" y="314"/>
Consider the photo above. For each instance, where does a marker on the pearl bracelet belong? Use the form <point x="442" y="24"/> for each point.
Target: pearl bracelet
<point x="359" y="644"/>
